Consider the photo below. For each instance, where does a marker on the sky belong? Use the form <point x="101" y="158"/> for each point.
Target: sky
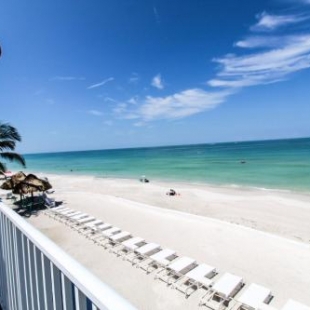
<point x="101" y="74"/>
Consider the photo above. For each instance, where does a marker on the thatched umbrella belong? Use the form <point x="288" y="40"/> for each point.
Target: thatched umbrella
<point x="13" y="181"/>
<point x="31" y="184"/>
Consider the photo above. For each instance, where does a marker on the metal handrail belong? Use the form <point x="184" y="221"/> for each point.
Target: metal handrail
<point x="17" y="236"/>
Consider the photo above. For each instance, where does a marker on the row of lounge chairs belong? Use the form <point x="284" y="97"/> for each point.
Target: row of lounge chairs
<point x="180" y="272"/>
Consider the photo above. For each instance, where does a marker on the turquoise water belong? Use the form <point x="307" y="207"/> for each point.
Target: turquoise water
<point x="277" y="164"/>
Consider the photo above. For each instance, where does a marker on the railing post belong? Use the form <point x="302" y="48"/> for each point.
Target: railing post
<point x="35" y="274"/>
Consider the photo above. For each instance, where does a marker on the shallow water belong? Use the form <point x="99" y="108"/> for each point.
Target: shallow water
<point x="276" y="164"/>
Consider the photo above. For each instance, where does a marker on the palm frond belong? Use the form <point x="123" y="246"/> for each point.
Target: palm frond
<point x="2" y="167"/>
<point x="13" y="157"/>
<point x="7" y="144"/>
<point x="8" y="132"/>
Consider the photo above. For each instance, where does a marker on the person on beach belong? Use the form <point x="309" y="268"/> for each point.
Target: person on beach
<point x="172" y="192"/>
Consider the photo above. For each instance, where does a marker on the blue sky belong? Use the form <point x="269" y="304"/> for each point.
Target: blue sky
<point x="82" y="75"/>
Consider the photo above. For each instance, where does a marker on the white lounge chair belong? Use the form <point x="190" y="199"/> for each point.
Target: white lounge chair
<point x="89" y="226"/>
<point x="95" y="231"/>
<point x="70" y="212"/>
<point x="144" y="252"/>
<point x="117" y="238"/>
<point x="77" y="224"/>
<point x="52" y="212"/>
<point x="130" y="245"/>
<point x="198" y="277"/>
<point x="161" y="259"/>
<point x="73" y="218"/>
<point x="264" y="306"/>
<point x="106" y="234"/>
<point x="63" y="216"/>
<point x="177" y="269"/>
<point x="222" y="291"/>
<point x="253" y="297"/>
<point x="294" y="305"/>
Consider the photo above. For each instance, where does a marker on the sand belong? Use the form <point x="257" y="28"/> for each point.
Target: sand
<point x="262" y="236"/>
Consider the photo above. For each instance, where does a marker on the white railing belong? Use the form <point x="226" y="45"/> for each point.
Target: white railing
<point x="36" y="274"/>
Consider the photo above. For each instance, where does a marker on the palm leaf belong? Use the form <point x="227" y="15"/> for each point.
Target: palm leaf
<point x="8" y="132"/>
<point x="2" y="167"/>
<point x="13" y="157"/>
<point x="7" y="144"/>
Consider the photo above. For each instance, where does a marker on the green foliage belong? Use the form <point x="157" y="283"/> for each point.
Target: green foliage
<point x="9" y="135"/>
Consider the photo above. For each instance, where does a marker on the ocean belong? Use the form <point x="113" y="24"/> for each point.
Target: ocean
<point x="273" y="164"/>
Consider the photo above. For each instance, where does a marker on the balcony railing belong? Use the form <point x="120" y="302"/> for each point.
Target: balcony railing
<point x="36" y="274"/>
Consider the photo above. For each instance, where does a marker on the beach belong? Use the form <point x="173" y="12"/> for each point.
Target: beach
<point x="262" y="236"/>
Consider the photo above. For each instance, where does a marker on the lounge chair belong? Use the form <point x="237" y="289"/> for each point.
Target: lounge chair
<point x="117" y="238"/>
<point x="177" y="269"/>
<point x="198" y="277"/>
<point x="89" y="226"/>
<point x="264" y="306"/>
<point x="106" y="234"/>
<point x="51" y="212"/>
<point x="294" y="305"/>
<point x="253" y="297"/>
<point x="95" y="231"/>
<point x="78" y="223"/>
<point x="222" y="291"/>
<point x="73" y="218"/>
<point x="160" y="259"/>
<point x="130" y="245"/>
<point x="144" y="252"/>
<point x="56" y="211"/>
<point x="62" y="215"/>
<point x="68" y="213"/>
<point x="48" y="202"/>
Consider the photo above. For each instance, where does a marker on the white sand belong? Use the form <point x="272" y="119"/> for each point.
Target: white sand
<point x="262" y="236"/>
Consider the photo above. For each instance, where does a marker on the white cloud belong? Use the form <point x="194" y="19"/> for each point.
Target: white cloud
<point x="156" y="15"/>
<point x="120" y="108"/>
<point x="271" y="59"/>
<point x="95" y="112"/>
<point x="133" y="100"/>
<point x="101" y="83"/>
<point x="264" y="67"/>
<point x="157" y="82"/>
<point x="134" y="79"/>
<point x="260" y="42"/>
<point x="109" y="99"/>
<point x="179" y="105"/>
<point x="267" y="22"/>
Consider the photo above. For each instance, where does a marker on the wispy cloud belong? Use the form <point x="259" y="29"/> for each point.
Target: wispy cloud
<point x="109" y="99"/>
<point x="156" y="15"/>
<point x="265" y="58"/>
<point x="264" y="67"/>
<point x="157" y="82"/>
<point x="67" y="78"/>
<point x="261" y="42"/>
<point x="134" y="79"/>
<point x="268" y="22"/>
<point x="110" y="79"/>
<point x="95" y="112"/>
<point x="179" y="105"/>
